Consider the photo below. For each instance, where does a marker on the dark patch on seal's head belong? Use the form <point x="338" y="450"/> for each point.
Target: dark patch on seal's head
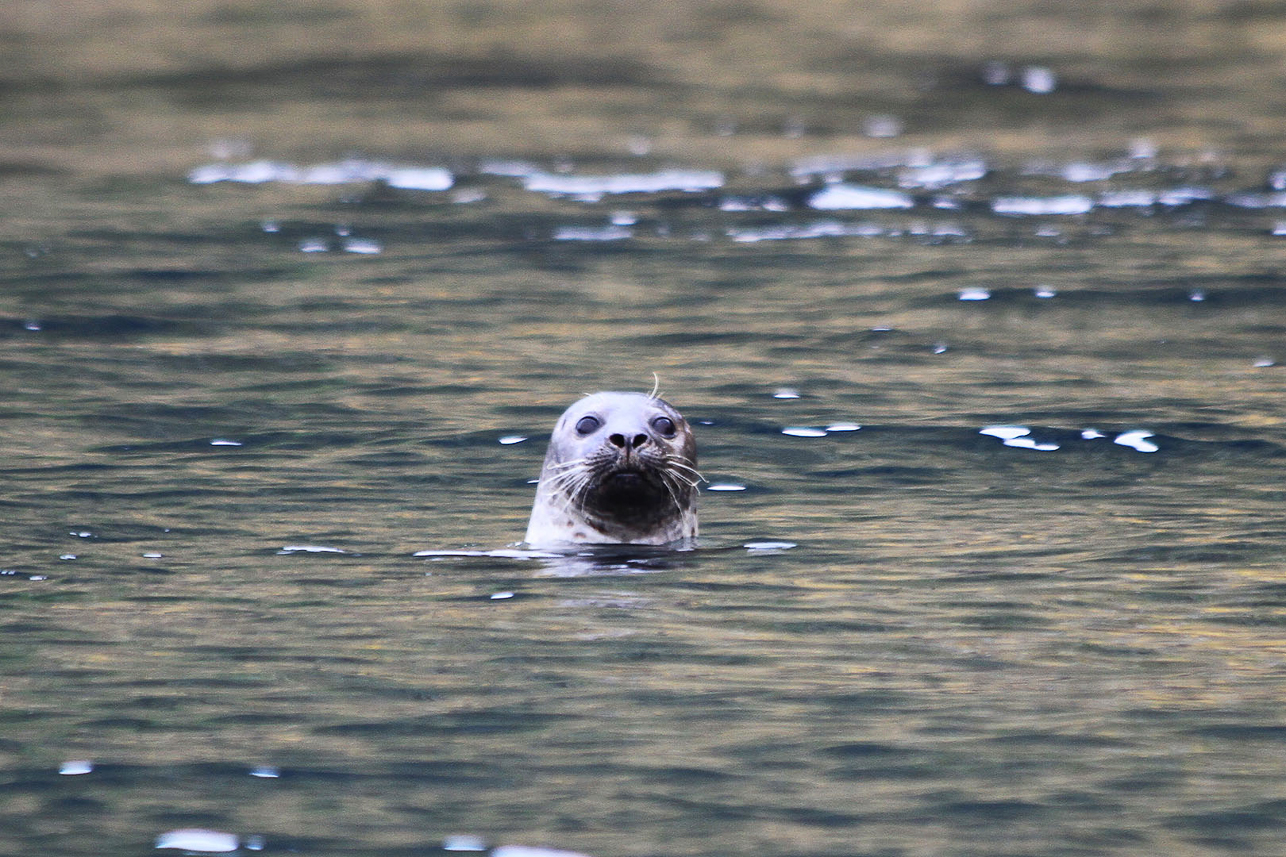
<point x="621" y="468"/>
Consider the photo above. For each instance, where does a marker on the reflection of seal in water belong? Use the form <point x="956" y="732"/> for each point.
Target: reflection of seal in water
<point x="621" y="469"/>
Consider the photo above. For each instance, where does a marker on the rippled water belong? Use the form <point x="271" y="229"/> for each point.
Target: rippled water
<point x="981" y="338"/>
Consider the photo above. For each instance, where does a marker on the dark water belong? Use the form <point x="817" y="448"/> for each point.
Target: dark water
<point x="984" y="361"/>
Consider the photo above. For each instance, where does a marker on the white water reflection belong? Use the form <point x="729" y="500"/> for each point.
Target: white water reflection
<point x="769" y="546"/>
<point x="846" y="196"/>
<point x="1128" y="199"/>
<point x="592" y="233"/>
<point x="529" y="851"/>
<point x="912" y="169"/>
<point x="1137" y="440"/>
<point x="940" y="174"/>
<point x="198" y="840"/>
<point x="1042" y="205"/>
<point x="1080" y="171"/>
<point x="813" y="431"/>
<point x="500" y="553"/>
<point x="753" y="203"/>
<point x="818" y="229"/>
<point x="1021" y="437"/>
<point x="291" y="549"/>
<point x="1178" y="196"/>
<point x="464" y="842"/>
<point x="1039" y="79"/>
<point x="804" y="431"/>
<point x="363" y="246"/>
<point x="339" y="172"/>
<point x="592" y="187"/>
<point x="1018" y="437"/>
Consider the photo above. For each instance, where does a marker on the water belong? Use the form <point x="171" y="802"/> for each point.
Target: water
<point x="978" y="314"/>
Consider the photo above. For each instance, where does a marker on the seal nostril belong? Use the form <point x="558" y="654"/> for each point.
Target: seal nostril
<point x="617" y="440"/>
<point x="639" y="440"/>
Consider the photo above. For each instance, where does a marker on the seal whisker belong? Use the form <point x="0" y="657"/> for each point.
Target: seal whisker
<point x="553" y="474"/>
<point x="568" y="479"/>
<point x="670" y="489"/>
<point x="566" y="491"/>
<point x="573" y="490"/>
<point x="566" y="465"/>
<point x="656" y="387"/>
<point x="580" y="493"/>
<point x="680" y="465"/>
<point x="679" y="483"/>
<point x="688" y="471"/>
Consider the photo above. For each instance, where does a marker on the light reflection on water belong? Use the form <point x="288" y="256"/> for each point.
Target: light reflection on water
<point x="912" y="168"/>
<point x="990" y="554"/>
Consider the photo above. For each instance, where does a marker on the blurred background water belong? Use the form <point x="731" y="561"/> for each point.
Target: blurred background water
<point x="977" y="307"/>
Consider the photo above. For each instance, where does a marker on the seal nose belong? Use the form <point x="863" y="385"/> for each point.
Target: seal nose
<point x="619" y="441"/>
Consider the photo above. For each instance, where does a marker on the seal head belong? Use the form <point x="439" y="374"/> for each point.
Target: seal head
<point x="621" y="469"/>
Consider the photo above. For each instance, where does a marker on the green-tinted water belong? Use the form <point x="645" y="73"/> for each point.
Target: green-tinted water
<point x="1031" y="606"/>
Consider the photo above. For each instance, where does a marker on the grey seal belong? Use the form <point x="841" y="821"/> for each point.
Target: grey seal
<point x="621" y="469"/>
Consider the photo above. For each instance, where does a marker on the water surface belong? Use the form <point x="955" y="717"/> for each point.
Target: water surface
<point x="978" y="313"/>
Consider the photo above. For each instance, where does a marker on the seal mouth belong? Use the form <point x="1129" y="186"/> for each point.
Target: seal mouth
<point x="629" y="488"/>
<point x="626" y="480"/>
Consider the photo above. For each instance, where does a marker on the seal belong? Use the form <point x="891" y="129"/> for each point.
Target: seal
<point x="621" y="469"/>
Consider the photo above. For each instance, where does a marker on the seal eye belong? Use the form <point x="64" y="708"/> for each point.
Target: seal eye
<point x="587" y="425"/>
<point x="664" y="426"/>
